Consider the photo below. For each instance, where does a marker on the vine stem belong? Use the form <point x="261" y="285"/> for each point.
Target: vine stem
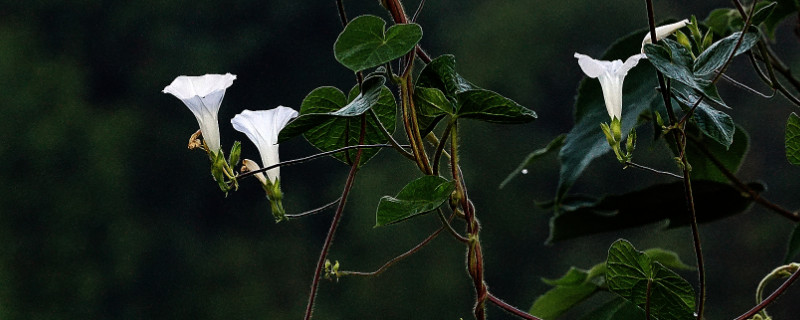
<point x="474" y="251"/>
<point x="396" y="259"/>
<point x="687" y="181"/>
<point x="335" y="222"/>
<point x="646" y="168"/>
<point x="771" y="297"/>
<point x="314" y="156"/>
<point x="511" y="309"/>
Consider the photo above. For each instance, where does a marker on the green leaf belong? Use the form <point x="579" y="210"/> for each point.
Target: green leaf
<point x="675" y="62"/>
<point x="794" y="245"/>
<point x="793" y="139"/>
<point x="586" y="141"/>
<point x="363" y="43"/>
<point x="635" y="277"/>
<point x="785" y="8"/>
<point x="431" y="102"/>
<point x="574" y="276"/>
<point x="441" y="74"/>
<point x="715" y="56"/>
<point x="236" y="152"/>
<point x="703" y="167"/>
<point x="489" y="106"/>
<point x="713" y="123"/>
<point x="419" y="196"/>
<point x="719" y="20"/>
<point x="617" y="309"/>
<point x="329" y="122"/>
<point x="581" y="215"/>
<point x="667" y="258"/>
<point x="558" y="300"/>
<point x="551" y="147"/>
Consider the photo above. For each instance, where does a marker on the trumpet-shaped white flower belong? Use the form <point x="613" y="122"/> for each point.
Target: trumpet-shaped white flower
<point x="611" y="75"/>
<point x="664" y="31"/>
<point x="203" y="95"/>
<point x="262" y="127"/>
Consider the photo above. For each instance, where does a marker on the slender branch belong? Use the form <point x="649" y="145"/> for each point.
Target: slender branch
<point x="314" y="156"/>
<point x="313" y="211"/>
<point x="335" y="222"/>
<point x="440" y="148"/>
<point x="747" y="23"/>
<point x="419" y="10"/>
<point x="638" y="166"/>
<point x="741" y="185"/>
<point x="388" y="135"/>
<point x="687" y="182"/>
<point x="342" y="13"/>
<point x="394" y="260"/>
<point x="446" y="223"/>
<point x="771" y="298"/>
<point x="746" y="88"/>
<point x="511" y="309"/>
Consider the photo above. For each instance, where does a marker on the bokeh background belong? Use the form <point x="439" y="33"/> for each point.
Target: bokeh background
<point x="106" y="215"/>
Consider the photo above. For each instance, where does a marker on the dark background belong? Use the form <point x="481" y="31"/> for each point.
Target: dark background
<point x="106" y="215"/>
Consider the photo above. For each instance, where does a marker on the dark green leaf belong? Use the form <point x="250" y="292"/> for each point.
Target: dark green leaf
<point x="617" y="309"/>
<point x="719" y="20"/>
<point x="794" y="245"/>
<point x="441" y="74"/>
<point x="580" y="215"/>
<point x="667" y="258"/>
<point x="586" y="141"/>
<point x="715" y="56"/>
<point x="574" y="276"/>
<point x="676" y="63"/>
<point x="553" y="146"/>
<point x="419" y="196"/>
<point x="635" y="277"/>
<point x="785" y="8"/>
<point x="713" y="123"/>
<point x="363" y="43"/>
<point x="431" y="102"/>
<point x="328" y="122"/>
<point x="763" y="10"/>
<point x="486" y="105"/>
<point x="731" y="158"/>
<point x="558" y="300"/>
<point x="793" y="139"/>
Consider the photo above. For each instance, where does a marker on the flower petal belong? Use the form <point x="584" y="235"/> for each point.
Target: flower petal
<point x="262" y="127"/>
<point x="591" y="67"/>
<point x="664" y="31"/>
<point x="253" y="166"/>
<point x="203" y="95"/>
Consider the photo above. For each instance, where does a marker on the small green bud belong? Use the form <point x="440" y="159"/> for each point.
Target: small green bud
<point x="236" y="151"/>
<point x="630" y="144"/>
<point x="683" y="40"/>
<point x="708" y="40"/>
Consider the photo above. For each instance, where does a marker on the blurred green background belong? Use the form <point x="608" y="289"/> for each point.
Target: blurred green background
<point x="106" y="215"/>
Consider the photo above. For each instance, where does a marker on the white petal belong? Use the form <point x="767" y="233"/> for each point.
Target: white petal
<point x="253" y="166"/>
<point x="631" y="62"/>
<point x="184" y="87"/>
<point x="665" y="30"/>
<point x="591" y="67"/>
<point x="203" y="95"/>
<point x="262" y="127"/>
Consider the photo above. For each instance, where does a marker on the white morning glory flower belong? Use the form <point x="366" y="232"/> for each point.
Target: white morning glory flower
<point x="262" y="127"/>
<point x="611" y="75"/>
<point x="203" y="95"/>
<point x="664" y="31"/>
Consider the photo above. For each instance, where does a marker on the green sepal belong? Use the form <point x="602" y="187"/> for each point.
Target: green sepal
<point x="218" y="170"/>
<point x="683" y="40"/>
<point x="274" y="195"/>
<point x="630" y="143"/>
<point x="236" y="152"/>
<point x="616" y="129"/>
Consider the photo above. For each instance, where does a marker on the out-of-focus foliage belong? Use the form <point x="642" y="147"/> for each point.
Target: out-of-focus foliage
<point x="106" y="215"/>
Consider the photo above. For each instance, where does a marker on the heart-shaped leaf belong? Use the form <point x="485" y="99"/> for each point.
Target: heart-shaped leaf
<point x="634" y="276"/>
<point x="675" y="62"/>
<point x="419" y="196"/>
<point x="713" y="123"/>
<point x="489" y="106"/>
<point x="363" y="43"/>
<point x="714" y="57"/>
<point x="329" y="122"/>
